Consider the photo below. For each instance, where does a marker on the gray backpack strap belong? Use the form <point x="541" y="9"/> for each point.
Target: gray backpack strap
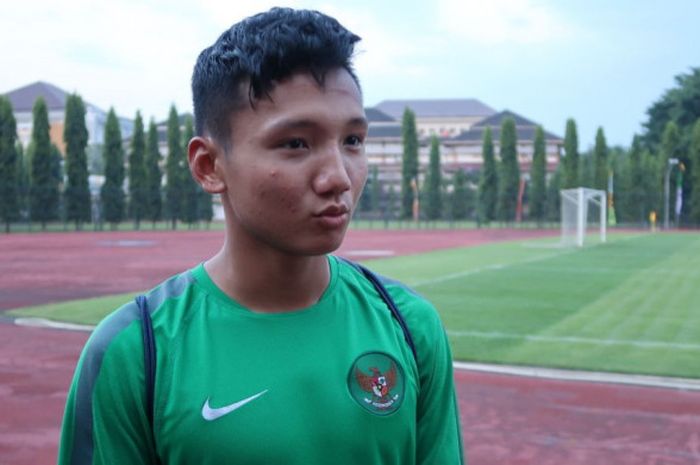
<point x="149" y="359"/>
<point x="384" y="294"/>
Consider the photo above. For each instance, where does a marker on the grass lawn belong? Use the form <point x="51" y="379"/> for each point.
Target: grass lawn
<point x="630" y="305"/>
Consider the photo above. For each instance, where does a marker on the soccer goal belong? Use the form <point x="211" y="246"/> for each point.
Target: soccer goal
<point x="583" y="216"/>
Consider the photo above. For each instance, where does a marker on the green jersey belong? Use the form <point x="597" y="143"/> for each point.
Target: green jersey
<point x="332" y="383"/>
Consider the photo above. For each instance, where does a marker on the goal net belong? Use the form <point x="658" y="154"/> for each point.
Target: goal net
<point x="583" y="216"/>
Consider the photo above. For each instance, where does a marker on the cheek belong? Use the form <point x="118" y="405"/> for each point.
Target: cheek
<point x="358" y="175"/>
<point x="274" y="192"/>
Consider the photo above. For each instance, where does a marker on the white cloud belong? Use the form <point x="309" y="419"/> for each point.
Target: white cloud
<point x="382" y="52"/>
<point x="502" y="21"/>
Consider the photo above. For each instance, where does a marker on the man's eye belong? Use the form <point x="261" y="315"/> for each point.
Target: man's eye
<point x="353" y="140"/>
<point x="295" y="144"/>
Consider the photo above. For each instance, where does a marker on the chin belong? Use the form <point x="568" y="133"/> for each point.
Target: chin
<point x="325" y="246"/>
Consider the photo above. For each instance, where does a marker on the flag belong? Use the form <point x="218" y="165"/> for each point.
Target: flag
<point x="612" y="219"/>
<point x="679" y="191"/>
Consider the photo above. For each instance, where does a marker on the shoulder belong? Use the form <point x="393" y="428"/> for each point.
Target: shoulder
<point x="421" y="316"/>
<point x="120" y="331"/>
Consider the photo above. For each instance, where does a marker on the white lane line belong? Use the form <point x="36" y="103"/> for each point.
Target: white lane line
<point x="45" y="323"/>
<point x="495" y="266"/>
<point x="586" y="376"/>
<point x="576" y="340"/>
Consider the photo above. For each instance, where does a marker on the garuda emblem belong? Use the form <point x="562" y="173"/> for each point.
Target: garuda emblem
<point x="379" y="386"/>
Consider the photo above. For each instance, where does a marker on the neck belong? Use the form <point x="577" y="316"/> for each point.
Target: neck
<point x="266" y="280"/>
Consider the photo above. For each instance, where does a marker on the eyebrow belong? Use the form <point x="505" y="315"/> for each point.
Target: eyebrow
<point x="297" y="124"/>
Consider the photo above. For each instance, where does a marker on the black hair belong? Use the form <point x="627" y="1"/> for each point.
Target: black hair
<point x="260" y="51"/>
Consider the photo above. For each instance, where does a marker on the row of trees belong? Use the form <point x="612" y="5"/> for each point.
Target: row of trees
<point x="491" y="194"/>
<point x="639" y="173"/>
<point x="35" y="186"/>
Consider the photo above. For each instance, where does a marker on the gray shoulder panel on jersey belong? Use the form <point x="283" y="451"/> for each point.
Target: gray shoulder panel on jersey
<point x="94" y="353"/>
<point x="383" y="279"/>
<point x="393" y="282"/>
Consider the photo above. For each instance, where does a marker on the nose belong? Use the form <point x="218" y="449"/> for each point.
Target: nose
<point x="333" y="177"/>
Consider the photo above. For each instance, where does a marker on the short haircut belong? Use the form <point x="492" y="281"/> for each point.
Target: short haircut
<point x="260" y="51"/>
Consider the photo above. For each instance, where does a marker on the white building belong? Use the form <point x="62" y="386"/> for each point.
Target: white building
<point x="459" y="124"/>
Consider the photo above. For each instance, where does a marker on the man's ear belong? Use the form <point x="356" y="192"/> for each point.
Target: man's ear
<point x="203" y="155"/>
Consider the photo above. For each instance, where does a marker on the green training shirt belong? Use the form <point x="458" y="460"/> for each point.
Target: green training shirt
<point x="334" y="383"/>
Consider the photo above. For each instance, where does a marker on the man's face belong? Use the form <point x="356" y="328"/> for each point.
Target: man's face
<point x="297" y="165"/>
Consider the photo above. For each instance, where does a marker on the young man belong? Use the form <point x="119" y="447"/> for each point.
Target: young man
<point x="272" y="351"/>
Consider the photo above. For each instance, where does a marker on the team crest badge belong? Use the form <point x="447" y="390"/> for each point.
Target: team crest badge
<point x="376" y="382"/>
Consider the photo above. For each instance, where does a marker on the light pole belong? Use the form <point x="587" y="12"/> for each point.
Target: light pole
<point x="667" y="181"/>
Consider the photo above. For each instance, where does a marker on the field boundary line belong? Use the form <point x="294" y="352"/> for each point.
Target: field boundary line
<point x="33" y="322"/>
<point x="583" y="376"/>
<point x="524" y="371"/>
<point x="495" y="266"/>
<point x="576" y="340"/>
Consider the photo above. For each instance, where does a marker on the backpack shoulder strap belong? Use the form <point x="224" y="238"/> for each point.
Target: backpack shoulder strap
<point x="384" y="294"/>
<point x="149" y="354"/>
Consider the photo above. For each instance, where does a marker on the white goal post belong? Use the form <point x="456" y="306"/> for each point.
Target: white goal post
<point x="582" y="209"/>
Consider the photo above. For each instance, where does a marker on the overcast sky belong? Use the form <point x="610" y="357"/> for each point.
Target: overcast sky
<point x="600" y="62"/>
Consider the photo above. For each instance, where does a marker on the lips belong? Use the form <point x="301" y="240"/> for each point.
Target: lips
<point x="334" y="210"/>
<point x="333" y="216"/>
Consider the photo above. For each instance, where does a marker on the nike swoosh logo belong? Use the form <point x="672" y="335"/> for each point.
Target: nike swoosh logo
<point x="211" y="414"/>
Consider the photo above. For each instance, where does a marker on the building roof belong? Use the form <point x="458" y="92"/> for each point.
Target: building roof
<point x="377" y="116"/>
<point x="497" y="119"/>
<point x="23" y="98"/>
<point x="523" y="133"/>
<point x="524" y="128"/>
<point x="427" y="108"/>
<point x="393" y="131"/>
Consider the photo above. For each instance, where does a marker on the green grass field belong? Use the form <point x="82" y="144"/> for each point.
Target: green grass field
<point x="630" y="305"/>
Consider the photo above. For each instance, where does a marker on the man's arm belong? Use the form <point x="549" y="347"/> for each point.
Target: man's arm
<point x="104" y="420"/>
<point x="439" y="439"/>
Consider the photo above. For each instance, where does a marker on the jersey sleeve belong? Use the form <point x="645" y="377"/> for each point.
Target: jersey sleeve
<point x="104" y="420"/>
<point x="438" y="435"/>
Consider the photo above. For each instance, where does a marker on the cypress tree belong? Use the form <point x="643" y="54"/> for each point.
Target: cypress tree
<point x="571" y="157"/>
<point x="75" y="135"/>
<point x="434" y="182"/>
<point x="205" y="206"/>
<point x="618" y="164"/>
<point x="112" y="192"/>
<point x="138" y="195"/>
<point x="389" y="208"/>
<point x="44" y="195"/>
<point x="694" y="158"/>
<point x="57" y="172"/>
<point x="652" y="166"/>
<point x="376" y="189"/>
<point x="9" y="175"/>
<point x="488" y="181"/>
<point x="174" y="167"/>
<point x="635" y="183"/>
<point x="409" y="168"/>
<point x="509" y="173"/>
<point x="554" y="196"/>
<point x="23" y="182"/>
<point x="538" y="179"/>
<point x="154" y="201"/>
<point x="600" y="161"/>
<point x="365" y="202"/>
<point x="460" y="198"/>
<point x="190" y="188"/>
